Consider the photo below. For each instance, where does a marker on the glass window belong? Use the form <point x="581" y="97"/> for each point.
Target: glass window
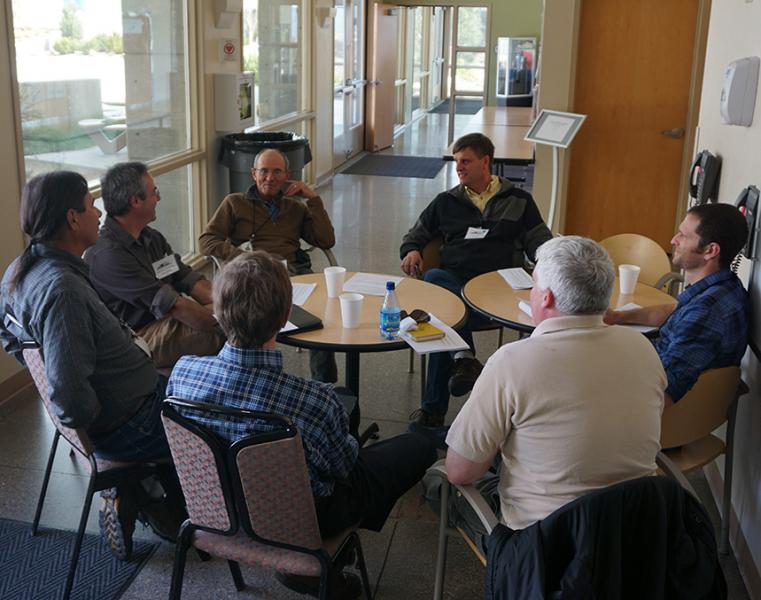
<point x="470" y="71"/>
<point x="273" y="50"/>
<point x="174" y="217"/>
<point x="471" y="26"/>
<point x="100" y="82"/>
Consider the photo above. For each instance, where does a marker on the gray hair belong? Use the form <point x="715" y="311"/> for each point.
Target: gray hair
<point x="120" y="183"/>
<point x="252" y="298"/>
<point x="578" y="271"/>
<point x="275" y="150"/>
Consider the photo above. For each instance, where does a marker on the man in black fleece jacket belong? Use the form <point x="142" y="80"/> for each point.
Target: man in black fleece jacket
<point x="485" y="223"/>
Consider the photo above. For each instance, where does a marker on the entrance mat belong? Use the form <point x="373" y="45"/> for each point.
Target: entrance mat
<point x="390" y="165"/>
<point x="463" y="107"/>
<point x="36" y="566"/>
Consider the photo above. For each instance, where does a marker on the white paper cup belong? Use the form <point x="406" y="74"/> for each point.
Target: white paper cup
<point x="627" y="278"/>
<point x="334" y="280"/>
<point x="351" y="309"/>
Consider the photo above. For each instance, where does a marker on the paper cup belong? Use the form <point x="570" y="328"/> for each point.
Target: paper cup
<point x="627" y="278"/>
<point x="351" y="310"/>
<point x="334" y="280"/>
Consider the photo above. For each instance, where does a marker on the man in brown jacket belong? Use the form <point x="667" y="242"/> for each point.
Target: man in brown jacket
<point x="271" y="216"/>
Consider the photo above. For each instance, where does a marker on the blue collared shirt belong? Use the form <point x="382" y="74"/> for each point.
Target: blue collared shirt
<point x="707" y="330"/>
<point x="253" y="379"/>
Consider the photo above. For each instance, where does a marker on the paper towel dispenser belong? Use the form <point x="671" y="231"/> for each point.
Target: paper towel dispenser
<point x="738" y="95"/>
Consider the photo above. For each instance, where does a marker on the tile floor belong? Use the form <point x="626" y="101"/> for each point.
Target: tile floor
<point x="370" y="215"/>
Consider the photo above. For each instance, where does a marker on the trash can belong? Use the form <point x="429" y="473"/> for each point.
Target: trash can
<point x="238" y="151"/>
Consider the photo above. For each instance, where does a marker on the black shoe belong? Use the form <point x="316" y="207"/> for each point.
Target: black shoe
<point x="345" y="586"/>
<point x="164" y="520"/>
<point x="464" y="374"/>
<point x="423" y="418"/>
<point x="117" y="521"/>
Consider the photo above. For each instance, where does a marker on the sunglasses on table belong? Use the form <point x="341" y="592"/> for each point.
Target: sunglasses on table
<point x="418" y="315"/>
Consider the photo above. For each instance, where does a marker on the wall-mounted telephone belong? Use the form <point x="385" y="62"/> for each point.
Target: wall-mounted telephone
<point x="747" y="202"/>
<point x="704" y="177"/>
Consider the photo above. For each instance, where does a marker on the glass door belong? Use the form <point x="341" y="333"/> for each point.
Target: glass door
<point x="348" y="80"/>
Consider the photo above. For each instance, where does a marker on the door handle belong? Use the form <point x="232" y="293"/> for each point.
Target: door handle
<point x="676" y="133"/>
<point x="375" y="82"/>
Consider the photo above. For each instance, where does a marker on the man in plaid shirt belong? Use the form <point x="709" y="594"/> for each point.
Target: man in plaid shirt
<point x="252" y="301"/>
<point x="708" y="327"/>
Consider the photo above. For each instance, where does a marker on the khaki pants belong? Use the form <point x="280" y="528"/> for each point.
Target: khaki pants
<point x="169" y="339"/>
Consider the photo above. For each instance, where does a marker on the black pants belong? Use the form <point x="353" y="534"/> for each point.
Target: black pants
<point x="383" y="473"/>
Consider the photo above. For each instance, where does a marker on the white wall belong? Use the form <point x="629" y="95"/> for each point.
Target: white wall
<point x="733" y="33"/>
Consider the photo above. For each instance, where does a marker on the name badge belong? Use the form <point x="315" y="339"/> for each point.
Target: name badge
<point x="164" y="267"/>
<point x="476" y="233"/>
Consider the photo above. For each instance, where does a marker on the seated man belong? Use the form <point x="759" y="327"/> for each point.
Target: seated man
<point x="252" y="300"/>
<point x="139" y="276"/>
<point x="573" y="408"/>
<point x="485" y="224"/>
<point x="100" y="377"/>
<point x="271" y="217"/>
<point x="708" y="327"/>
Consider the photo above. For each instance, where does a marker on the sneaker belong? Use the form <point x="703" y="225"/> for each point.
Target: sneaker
<point x="423" y="418"/>
<point x="345" y="586"/>
<point x="117" y="522"/>
<point x="464" y="374"/>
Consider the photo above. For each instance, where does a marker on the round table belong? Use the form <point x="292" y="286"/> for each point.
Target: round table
<point x="412" y="294"/>
<point x="490" y="295"/>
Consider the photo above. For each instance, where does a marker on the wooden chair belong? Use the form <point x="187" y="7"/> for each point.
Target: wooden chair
<point x="687" y="426"/>
<point x="103" y="474"/>
<point x="251" y="501"/>
<point x="489" y="520"/>
<point x="635" y="249"/>
<point x="432" y="259"/>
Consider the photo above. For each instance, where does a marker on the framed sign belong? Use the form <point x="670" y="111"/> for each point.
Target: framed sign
<point x="555" y="128"/>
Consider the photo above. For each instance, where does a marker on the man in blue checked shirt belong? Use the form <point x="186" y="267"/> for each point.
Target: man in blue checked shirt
<point x="708" y="327"/>
<point x="252" y="301"/>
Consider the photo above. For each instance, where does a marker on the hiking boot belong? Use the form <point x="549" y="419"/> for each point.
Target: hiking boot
<point x="344" y="586"/>
<point x="465" y="371"/>
<point x="423" y="418"/>
<point x="117" y="521"/>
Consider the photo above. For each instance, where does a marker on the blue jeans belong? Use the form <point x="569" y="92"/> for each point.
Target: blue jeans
<point x="436" y="397"/>
<point x="142" y="438"/>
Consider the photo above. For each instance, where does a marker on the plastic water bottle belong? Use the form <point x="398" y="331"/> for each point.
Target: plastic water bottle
<point x="389" y="314"/>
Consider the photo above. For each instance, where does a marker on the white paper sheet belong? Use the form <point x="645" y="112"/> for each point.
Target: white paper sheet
<point x="449" y="343"/>
<point x="301" y="292"/>
<point x="369" y="284"/>
<point x="525" y="307"/>
<point x="517" y="278"/>
<point x="288" y="327"/>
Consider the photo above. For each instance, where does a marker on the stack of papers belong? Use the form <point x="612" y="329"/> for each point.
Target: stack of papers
<point x="517" y="278"/>
<point x="640" y="328"/>
<point x="369" y="284"/>
<point x="449" y="343"/>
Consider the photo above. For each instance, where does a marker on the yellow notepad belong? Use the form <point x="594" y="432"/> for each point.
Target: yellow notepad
<point x="426" y="332"/>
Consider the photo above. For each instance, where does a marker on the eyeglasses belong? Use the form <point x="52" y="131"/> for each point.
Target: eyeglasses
<point x="266" y="172"/>
<point x="418" y="315"/>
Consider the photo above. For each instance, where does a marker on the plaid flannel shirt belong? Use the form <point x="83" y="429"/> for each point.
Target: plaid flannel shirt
<point x="253" y="379"/>
<point x="707" y="330"/>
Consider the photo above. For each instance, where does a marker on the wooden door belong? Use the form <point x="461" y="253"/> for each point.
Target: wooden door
<point x="381" y="73"/>
<point x="633" y="77"/>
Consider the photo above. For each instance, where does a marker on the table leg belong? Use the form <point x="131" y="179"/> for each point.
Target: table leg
<point x="352" y="382"/>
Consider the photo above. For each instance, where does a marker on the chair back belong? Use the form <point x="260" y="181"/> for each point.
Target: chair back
<point x="200" y="462"/>
<point x="432" y="254"/>
<point x="78" y="438"/>
<point x="635" y="249"/>
<point x="704" y="408"/>
<point x="274" y="483"/>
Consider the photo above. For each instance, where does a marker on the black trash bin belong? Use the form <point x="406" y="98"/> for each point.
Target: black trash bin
<point x="239" y="150"/>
